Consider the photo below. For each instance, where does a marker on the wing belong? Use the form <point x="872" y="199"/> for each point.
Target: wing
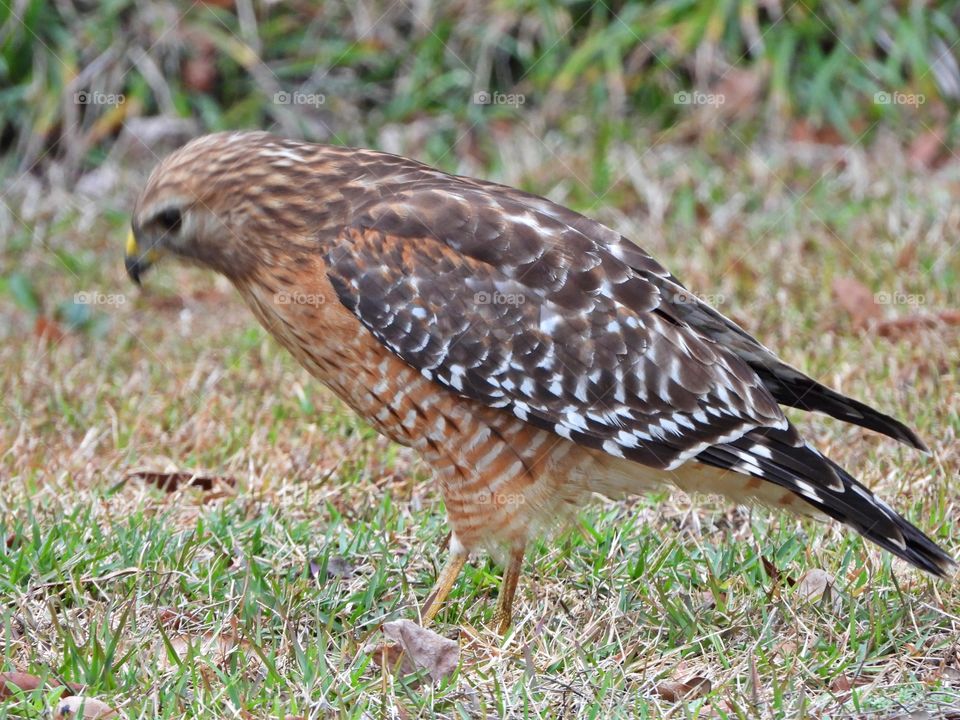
<point x="506" y="305"/>
<point x="788" y="385"/>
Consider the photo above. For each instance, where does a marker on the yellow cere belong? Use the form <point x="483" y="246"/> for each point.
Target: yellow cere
<point x="131" y="244"/>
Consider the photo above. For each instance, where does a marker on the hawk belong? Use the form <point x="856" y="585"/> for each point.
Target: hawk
<point x="532" y="356"/>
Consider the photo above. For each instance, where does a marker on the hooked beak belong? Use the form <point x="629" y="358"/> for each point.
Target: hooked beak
<point x="136" y="261"/>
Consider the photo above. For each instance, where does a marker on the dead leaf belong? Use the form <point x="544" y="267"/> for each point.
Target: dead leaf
<point x="842" y="685"/>
<point x="857" y="300"/>
<point x="337" y="566"/>
<point x="951" y="674"/>
<point x="48" y="329"/>
<point x="805" y="131"/>
<point x="740" y="90"/>
<point x="200" y="72"/>
<point x="898" y="327"/>
<point x="391" y="657"/>
<point x="707" y="600"/>
<point x="772" y="570"/>
<point x="23" y="681"/>
<point x="174" y="619"/>
<point x="907" y="257"/>
<point x="171" y="482"/>
<point x="78" y="706"/>
<point x="785" y="649"/>
<point x="690" y="689"/>
<point x="814" y="584"/>
<point x="215" y="646"/>
<point x="28" y="683"/>
<point x="775" y="574"/>
<point x="927" y="149"/>
<point x="417" y="648"/>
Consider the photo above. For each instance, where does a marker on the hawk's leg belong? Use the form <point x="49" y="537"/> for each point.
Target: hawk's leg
<point x="503" y="615"/>
<point x="448" y="576"/>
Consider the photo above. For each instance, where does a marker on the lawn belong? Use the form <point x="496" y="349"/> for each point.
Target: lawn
<point x="191" y="527"/>
<point x="262" y="592"/>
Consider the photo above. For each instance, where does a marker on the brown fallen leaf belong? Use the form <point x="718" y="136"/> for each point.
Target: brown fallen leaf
<point x="857" y="301"/>
<point x="337" y="566"/>
<point x="28" y="683"/>
<point x="12" y="681"/>
<point x="807" y="132"/>
<point x="772" y="570"/>
<point x="218" y="647"/>
<point x="842" y="685"/>
<point x="814" y="584"/>
<point x="200" y="72"/>
<point x="911" y="323"/>
<point x="391" y="657"/>
<point x="416" y="648"/>
<point x="950" y="675"/>
<point x="907" y="257"/>
<point x="740" y="90"/>
<point x="775" y="573"/>
<point x="48" y="329"/>
<point x="785" y="649"/>
<point x="78" y="706"/>
<point x="171" y="482"/>
<point x="174" y="618"/>
<point x="690" y="689"/>
<point x="928" y="149"/>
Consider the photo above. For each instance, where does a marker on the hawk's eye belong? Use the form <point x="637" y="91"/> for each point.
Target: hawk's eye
<point x="169" y="219"/>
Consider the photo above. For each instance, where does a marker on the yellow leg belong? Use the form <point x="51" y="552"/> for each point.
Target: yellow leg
<point x="503" y="615"/>
<point x="448" y="576"/>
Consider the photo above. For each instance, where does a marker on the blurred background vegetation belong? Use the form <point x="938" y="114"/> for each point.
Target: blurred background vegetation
<point x="72" y="73"/>
<point x="567" y="99"/>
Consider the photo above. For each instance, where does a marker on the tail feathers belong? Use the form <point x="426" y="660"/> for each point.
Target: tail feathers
<point x="877" y="521"/>
<point x="788" y="385"/>
<point x="782" y="458"/>
<point x="791" y="387"/>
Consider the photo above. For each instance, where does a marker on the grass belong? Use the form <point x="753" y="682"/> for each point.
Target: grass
<point x="72" y="74"/>
<point x="264" y="596"/>
<point x="235" y="602"/>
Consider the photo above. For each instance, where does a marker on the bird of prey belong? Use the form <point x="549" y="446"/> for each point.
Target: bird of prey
<point x="532" y="356"/>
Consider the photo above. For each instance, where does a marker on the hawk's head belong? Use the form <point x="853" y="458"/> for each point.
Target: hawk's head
<point x="223" y="201"/>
